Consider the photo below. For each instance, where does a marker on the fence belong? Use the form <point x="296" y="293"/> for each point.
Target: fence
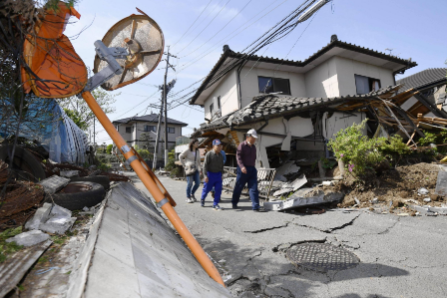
<point x="265" y="180"/>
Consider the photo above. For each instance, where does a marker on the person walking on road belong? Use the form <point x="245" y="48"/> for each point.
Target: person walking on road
<point x="213" y="169"/>
<point x="190" y="159"/>
<point x="246" y="171"/>
<point x="225" y="161"/>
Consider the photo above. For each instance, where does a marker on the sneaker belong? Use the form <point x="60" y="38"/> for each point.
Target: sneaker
<point x="202" y="203"/>
<point x="217" y="208"/>
<point x="189" y="201"/>
<point x="234" y="206"/>
<point x="193" y="198"/>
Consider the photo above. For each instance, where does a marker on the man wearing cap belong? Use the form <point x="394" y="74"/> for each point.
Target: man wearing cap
<point x="213" y="168"/>
<point x="246" y="170"/>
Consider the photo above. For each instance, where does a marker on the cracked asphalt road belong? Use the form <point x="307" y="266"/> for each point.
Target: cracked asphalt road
<point x="399" y="256"/>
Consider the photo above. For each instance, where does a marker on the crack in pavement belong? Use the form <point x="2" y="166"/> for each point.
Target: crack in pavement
<point x="330" y="230"/>
<point x="269" y="229"/>
<point x="387" y="230"/>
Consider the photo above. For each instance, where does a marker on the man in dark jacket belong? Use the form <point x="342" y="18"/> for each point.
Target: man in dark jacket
<point x="246" y="171"/>
<point x="213" y="168"/>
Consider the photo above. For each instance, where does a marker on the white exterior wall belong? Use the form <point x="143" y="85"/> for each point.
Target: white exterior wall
<point x="250" y="86"/>
<point x="322" y="81"/>
<point x="227" y="90"/>
<point x="346" y="69"/>
<point x="336" y="77"/>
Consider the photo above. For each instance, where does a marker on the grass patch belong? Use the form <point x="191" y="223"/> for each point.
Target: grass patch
<point x="8" y="248"/>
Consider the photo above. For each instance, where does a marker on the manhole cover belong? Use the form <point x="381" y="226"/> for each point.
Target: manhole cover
<point x="321" y="257"/>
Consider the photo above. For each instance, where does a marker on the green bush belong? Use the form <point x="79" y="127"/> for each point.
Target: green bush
<point x="360" y="153"/>
<point x="144" y="153"/>
<point x="109" y="149"/>
<point x="357" y="151"/>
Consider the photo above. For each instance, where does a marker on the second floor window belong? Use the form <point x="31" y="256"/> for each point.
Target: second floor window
<point x="218" y="102"/>
<point x="171" y="129"/>
<point x="148" y="128"/>
<point x="365" y="85"/>
<point x="274" y="85"/>
<point x="211" y="109"/>
<point x="128" y="129"/>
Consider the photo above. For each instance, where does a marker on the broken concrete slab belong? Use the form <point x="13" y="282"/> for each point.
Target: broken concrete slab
<point x="53" y="184"/>
<point x="29" y="238"/>
<point x="304" y="197"/>
<point x="42" y="214"/>
<point x="59" y="221"/>
<point x="70" y="174"/>
<point x="57" y="224"/>
<point x="441" y="184"/>
<point x="287" y="168"/>
<point x="60" y="211"/>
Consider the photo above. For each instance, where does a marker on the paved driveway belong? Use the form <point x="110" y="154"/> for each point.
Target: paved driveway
<point x="399" y="256"/>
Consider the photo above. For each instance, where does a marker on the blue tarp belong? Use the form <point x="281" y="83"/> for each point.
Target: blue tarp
<point x="47" y="123"/>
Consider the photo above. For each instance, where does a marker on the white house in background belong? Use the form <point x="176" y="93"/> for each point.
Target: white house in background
<point x="239" y="99"/>
<point x="141" y="131"/>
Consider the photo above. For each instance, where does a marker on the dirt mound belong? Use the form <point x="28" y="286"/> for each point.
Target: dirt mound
<point x="396" y="185"/>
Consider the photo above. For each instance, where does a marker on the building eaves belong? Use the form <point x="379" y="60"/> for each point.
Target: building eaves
<point x="228" y="53"/>
<point x="272" y="106"/>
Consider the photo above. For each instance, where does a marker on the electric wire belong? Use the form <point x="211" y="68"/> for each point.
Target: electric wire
<point x="187" y="30"/>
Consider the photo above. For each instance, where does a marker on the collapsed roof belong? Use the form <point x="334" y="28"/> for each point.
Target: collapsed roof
<point x="377" y="103"/>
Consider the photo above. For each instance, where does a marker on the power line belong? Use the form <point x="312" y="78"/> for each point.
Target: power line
<point x="206" y="27"/>
<point x="232" y="35"/>
<point x="187" y="30"/>
<point x="280" y="30"/>
<point x="215" y="34"/>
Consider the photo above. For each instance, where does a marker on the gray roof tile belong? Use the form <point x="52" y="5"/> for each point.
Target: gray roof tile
<point x="424" y="78"/>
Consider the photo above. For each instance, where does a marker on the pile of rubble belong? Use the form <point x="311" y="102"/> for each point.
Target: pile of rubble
<point x="291" y="189"/>
<point x="404" y="190"/>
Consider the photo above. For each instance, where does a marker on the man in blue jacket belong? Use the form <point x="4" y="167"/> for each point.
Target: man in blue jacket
<point x="213" y="170"/>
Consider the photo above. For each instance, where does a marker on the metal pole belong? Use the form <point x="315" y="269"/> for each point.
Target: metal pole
<point x="146" y="177"/>
<point x="94" y="136"/>
<point x="154" y="162"/>
<point x="165" y="103"/>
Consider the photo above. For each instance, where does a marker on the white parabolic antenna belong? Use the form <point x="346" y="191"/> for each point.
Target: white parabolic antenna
<point x="143" y="39"/>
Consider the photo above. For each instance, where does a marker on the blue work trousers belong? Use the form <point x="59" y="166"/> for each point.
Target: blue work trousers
<point x="214" y="180"/>
<point x="195" y="178"/>
<point x="251" y="179"/>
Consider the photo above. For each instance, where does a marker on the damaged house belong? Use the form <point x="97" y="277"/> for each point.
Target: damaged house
<point x="297" y="106"/>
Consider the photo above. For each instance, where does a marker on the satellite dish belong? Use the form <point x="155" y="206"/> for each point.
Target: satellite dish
<point x="143" y="39"/>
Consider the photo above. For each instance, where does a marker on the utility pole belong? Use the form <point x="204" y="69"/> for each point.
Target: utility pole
<point x="154" y="162"/>
<point x="94" y="136"/>
<point x="166" y="90"/>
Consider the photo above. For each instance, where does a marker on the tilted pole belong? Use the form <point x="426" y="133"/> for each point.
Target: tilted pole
<point x="154" y="162"/>
<point x="151" y="184"/>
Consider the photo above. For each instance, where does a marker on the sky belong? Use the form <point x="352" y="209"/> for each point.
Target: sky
<point x="411" y="28"/>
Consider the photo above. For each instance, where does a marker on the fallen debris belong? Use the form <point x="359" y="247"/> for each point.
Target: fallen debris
<point x="69" y="174"/>
<point x="29" y="238"/>
<point x="42" y="214"/>
<point x="59" y="222"/>
<point x="441" y="184"/>
<point x="15" y="267"/>
<point x="287" y="168"/>
<point x="54" y="184"/>
<point x="393" y="188"/>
